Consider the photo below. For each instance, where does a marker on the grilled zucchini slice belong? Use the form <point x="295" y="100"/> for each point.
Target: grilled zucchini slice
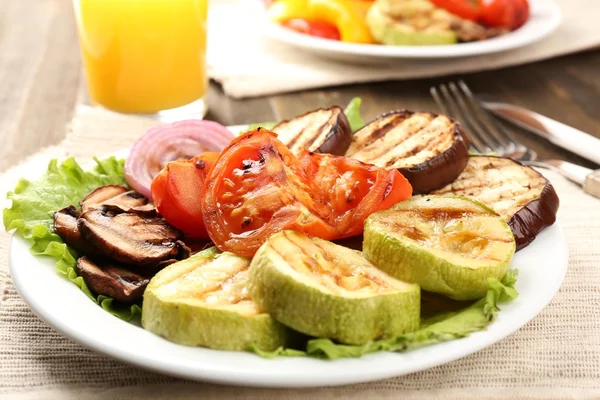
<point x="325" y="290"/>
<point x="448" y="245"/>
<point x="325" y="130"/>
<point x="430" y="150"/>
<point x="203" y="301"/>
<point x="520" y="194"/>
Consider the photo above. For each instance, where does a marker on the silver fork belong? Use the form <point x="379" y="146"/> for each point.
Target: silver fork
<point x="487" y="135"/>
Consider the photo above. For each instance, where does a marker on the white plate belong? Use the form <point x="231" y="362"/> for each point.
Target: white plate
<point x="542" y="266"/>
<point x="545" y="18"/>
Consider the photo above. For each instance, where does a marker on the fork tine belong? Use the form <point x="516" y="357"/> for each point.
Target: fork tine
<point x="449" y="103"/>
<point x="502" y="136"/>
<point x="477" y="130"/>
<point x="510" y="146"/>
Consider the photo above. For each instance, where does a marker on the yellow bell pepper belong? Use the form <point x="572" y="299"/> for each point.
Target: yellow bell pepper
<point x="348" y="16"/>
<point x="284" y="10"/>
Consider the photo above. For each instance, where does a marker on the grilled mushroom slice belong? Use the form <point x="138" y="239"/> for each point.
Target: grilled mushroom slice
<point x="115" y="195"/>
<point x="520" y="194"/>
<point x="132" y="238"/>
<point x="325" y="130"/>
<point x="430" y="150"/>
<point x="111" y="280"/>
<point x="65" y="226"/>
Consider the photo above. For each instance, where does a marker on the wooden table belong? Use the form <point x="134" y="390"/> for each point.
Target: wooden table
<point x="42" y="80"/>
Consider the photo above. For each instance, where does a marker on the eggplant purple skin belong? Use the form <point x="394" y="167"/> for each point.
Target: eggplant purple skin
<point x="441" y="169"/>
<point x="534" y="217"/>
<point x="338" y="140"/>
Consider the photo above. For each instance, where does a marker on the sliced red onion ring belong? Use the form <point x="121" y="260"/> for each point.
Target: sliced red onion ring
<point x="169" y="142"/>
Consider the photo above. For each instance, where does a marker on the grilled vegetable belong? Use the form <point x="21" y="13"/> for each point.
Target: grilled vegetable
<point x="410" y="22"/>
<point x="65" y="226"/>
<point x="115" y="195"/>
<point x="429" y="150"/>
<point x="169" y="142"/>
<point x="131" y="238"/>
<point x="203" y="301"/>
<point x="448" y="245"/>
<point x="111" y="280"/>
<point x="325" y="130"/>
<point x="176" y="191"/>
<point x="521" y="195"/>
<point x="325" y="290"/>
<point x="258" y="188"/>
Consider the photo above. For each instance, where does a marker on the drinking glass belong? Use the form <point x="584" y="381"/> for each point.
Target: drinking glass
<point x="145" y="56"/>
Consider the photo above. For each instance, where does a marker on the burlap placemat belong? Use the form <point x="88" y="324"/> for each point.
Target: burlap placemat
<point x="557" y="355"/>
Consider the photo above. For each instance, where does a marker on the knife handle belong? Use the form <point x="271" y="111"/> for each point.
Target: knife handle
<point x="556" y="132"/>
<point x="592" y="184"/>
<point x="588" y="179"/>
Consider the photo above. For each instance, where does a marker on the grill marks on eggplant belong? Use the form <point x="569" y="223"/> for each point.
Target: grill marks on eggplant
<point x="402" y="140"/>
<point x="325" y="130"/>
<point x="430" y="150"/>
<point x="521" y="195"/>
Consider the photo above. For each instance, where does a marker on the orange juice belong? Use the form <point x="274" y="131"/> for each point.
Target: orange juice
<point x="143" y="56"/>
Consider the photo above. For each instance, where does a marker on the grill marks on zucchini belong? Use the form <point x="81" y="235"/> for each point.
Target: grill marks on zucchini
<point x="315" y="260"/>
<point x="521" y="195"/>
<point x="448" y="245"/>
<point x="325" y="290"/>
<point x="204" y="301"/>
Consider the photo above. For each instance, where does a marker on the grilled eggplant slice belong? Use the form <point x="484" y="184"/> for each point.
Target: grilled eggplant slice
<point x="322" y="289"/>
<point x="448" y="245"/>
<point x="325" y="130"/>
<point x="115" y="195"/>
<point x="111" y="280"/>
<point x="520" y="194"/>
<point x="430" y="150"/>
<point x="132" y="238"/>
<point x="203" y="301"/>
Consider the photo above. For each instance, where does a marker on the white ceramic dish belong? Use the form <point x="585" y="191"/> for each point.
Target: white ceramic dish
<point x="63" y="306"/>
<point x="545" y="18"/>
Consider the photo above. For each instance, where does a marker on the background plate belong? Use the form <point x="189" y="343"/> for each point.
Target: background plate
<point x="545" y="18"/>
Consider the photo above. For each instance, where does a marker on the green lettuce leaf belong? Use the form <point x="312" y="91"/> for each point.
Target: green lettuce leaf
<point x="435" y="329"/>
<point x="352" y="112"/>
<point x="33" y="206"/>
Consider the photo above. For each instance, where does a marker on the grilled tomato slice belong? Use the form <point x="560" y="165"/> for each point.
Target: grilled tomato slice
<point x="176" y="193"/>
<point x="258" y="188"/>
<point x="353" y="190"/>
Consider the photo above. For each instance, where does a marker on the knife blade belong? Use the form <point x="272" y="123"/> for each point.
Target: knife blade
<point x="562" y="135"/>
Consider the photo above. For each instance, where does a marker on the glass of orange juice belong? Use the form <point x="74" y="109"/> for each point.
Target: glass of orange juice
<point x="145" y="56"/>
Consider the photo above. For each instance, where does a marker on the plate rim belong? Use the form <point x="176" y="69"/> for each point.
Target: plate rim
<point x="277" y="379"/>
<point x="335" y="49"/>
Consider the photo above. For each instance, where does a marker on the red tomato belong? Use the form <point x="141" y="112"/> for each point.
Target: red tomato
<point x="176" y="192"/>
<point x="314" y="28"/>
<point x="256" y="189"/>
<point x="467" y="9"/>
<point x="353" y="190"/>
<point x="510" y="14"/>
